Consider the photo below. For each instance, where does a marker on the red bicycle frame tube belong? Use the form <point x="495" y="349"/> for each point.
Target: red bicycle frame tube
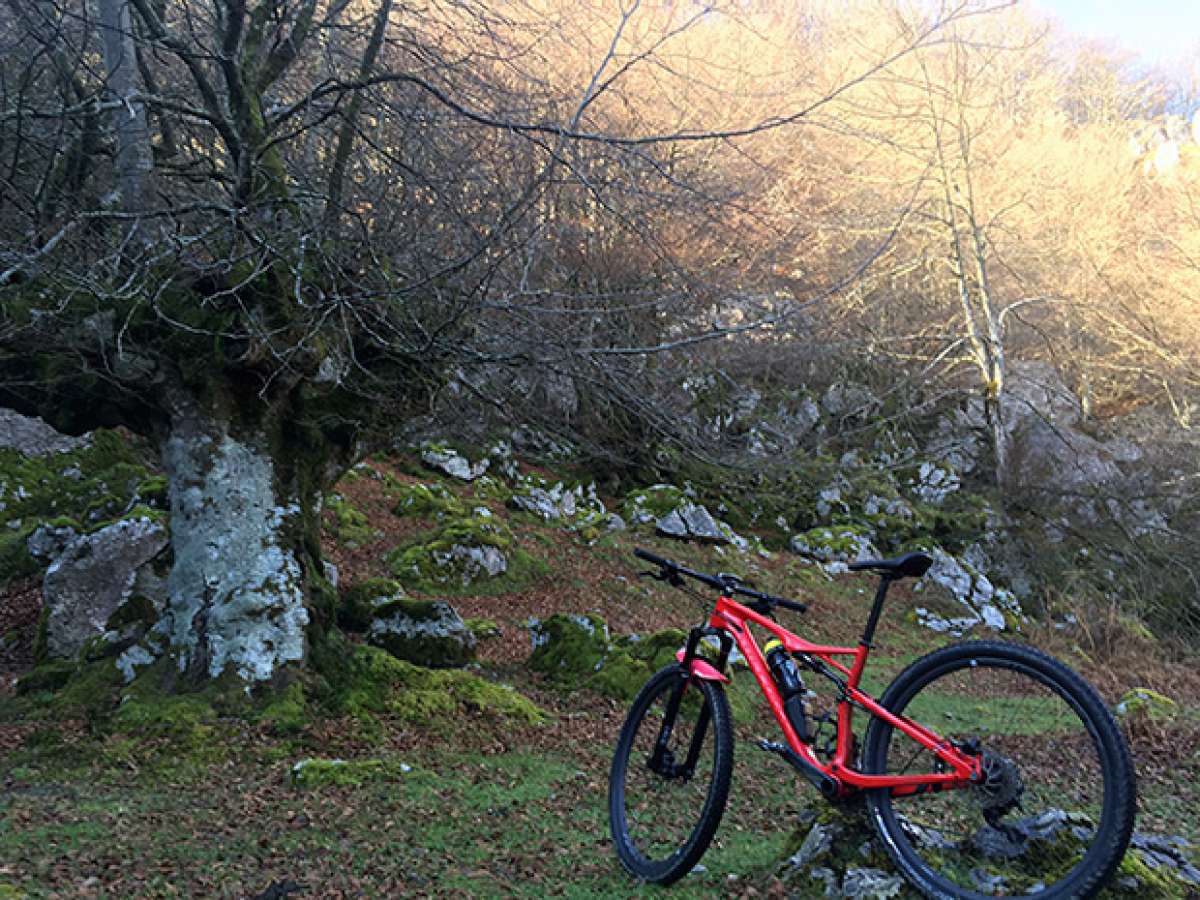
<point x="733" y="617"/>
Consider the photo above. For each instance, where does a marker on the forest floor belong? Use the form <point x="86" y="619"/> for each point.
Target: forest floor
<point x="471" y="806"/>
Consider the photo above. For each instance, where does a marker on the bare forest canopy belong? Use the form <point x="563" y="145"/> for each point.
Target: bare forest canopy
<point x="266" y="234"/>
<point x="358" y="192"/>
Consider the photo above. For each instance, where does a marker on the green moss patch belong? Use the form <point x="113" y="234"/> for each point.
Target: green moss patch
<point x="575" y="651"/>
<point x="428" y="501"/>
<point x="569" y="648"/>
<point x="634" y="660"/>
<point x="1148" y="882"/>
<point x="484" y="629"/>
<point x="49" y="677"/>
<point x="367" y="681"/>
<point x="838" y="542"/>
<point x="648" y="504"/>
<point x="86" y="488"/>
<point x="315" y="773"/>
<point x="360" y="602"/>
<point x="350" y="527"/>
<point x="15" y="559"/>
<point x="456" y="559"/>
<point x="287" y="712"/>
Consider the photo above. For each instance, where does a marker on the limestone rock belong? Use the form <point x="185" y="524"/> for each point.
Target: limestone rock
<point x="49" y="541"/>
<point x="833" y="547"/>
<point x="672" y="525"/>
<point x="462" y="552"/>
<point x="428" y="633"/>
<point x="849" y="399"/>
<point x="934" y="483"/>
<point x="93" y="577"/>
<point x="453" y="463"/>
<point x="557" y="502"/>
<point x="33" y="437"/>
<point x="700" y="524"/>
<point x="691" y="521"/>
<point x="871" y="884"/>
<point x="474" y="561"/>
<point x="983" y="602"/>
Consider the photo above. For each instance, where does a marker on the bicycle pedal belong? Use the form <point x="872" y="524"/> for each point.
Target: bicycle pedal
<point x="771" y="746"/>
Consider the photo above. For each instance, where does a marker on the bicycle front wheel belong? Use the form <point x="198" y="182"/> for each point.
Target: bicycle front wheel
<point x="670" y="775"/>
<point x="1053" y="812"/>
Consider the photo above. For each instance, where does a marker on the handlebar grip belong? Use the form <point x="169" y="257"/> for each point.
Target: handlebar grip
<point x="651" y="558"/>
<point x="793" y="605"/>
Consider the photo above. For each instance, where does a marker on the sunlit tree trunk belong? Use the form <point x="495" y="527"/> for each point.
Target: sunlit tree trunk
<point x="134" y="162"/>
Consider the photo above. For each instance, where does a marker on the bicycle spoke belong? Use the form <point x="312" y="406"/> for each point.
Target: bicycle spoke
<point x="1032" y="818"/>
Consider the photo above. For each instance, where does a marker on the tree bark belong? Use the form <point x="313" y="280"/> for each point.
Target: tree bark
<point x="134" y="160"/>
<point x="247" y="558"/>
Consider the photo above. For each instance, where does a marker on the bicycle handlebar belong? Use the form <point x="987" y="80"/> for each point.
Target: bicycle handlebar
<point x="728" y="585"/>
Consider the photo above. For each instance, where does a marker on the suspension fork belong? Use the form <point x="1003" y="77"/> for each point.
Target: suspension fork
<point x="662" y="760"/>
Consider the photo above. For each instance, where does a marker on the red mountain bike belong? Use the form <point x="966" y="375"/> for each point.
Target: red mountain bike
<point x="988" y="768"/>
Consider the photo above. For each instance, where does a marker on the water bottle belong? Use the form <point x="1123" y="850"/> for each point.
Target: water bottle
<point x="791" y="688"/>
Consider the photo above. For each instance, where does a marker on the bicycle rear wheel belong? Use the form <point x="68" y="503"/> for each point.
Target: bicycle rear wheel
<point x="1053" y="814"/>
<point x="670" y="775"/>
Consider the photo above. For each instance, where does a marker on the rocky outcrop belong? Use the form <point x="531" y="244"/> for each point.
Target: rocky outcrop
<point x="834" y="852"/>
<point x="691" y="521"/>
<point x="833" y="547"/>
<point x="575" y="651"/>
<point x="556" y="502"/>
<point x="92" y="576"/>
<point x="453" y="463"/>
<point x="425" y="632"/>
<point x="982" y="602"/>
<point x="33" y="437"/>
<point x="475" y="553"/>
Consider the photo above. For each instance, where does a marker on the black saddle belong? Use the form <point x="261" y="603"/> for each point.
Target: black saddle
<point x="910" y="565"/>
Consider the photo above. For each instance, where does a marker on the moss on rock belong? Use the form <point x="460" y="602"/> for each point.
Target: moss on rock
<point x="475" y="554"/>
<point x="92" y="484"/>
<point x="286" y="712"/>
<point x="1137" y="879"/>
<point x="15" y="559"/>
<point x="366" y="681"/>
<point x="350" y="527"/>
<point x="634" y="660"/>
<point x="654" y="502"/>
<point x="569" y="648"/>
<point x="576" y="651"/>
<point x="428" y="501"/>
<point x="425" y="632"/>
<point x="361" y="601"/>
<point x="138" y="611"/>
<point x="51" y="676"/>
<point x="484" y="629"/>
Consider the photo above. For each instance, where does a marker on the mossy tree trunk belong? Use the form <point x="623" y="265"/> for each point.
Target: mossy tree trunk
<point x="247" y="589"/>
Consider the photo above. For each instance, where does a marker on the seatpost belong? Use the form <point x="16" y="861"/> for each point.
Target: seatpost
<point x="885" y="582"/>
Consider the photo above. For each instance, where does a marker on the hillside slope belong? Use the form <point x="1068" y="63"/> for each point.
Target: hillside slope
<point x="468" y="801"/>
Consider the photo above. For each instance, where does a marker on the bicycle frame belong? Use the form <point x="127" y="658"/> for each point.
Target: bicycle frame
<point x="732" y="618"/>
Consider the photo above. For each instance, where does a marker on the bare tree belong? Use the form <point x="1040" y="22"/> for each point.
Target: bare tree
<point x="260" y="233"/>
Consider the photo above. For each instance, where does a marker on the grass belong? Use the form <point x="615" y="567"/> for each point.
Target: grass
<point x="512" y="824"/>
